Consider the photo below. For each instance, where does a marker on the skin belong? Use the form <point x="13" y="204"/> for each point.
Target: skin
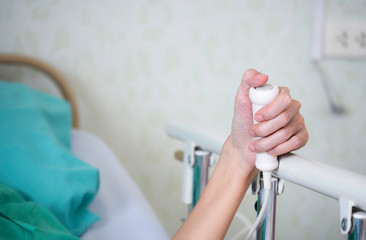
<point x="282" y="129"/>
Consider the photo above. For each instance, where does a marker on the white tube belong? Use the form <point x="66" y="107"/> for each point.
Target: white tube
<point x="326" y="179"/>
<point x="204" y="137"/>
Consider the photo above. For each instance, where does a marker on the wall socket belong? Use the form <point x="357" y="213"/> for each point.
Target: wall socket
<point x="345" y="39"/>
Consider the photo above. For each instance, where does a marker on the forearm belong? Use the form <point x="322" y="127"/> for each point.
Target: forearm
<point x="211" y="217"/>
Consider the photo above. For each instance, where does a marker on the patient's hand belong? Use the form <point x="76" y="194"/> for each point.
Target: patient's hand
<point x="281" y="125"/>
<point x="282" y="128"/>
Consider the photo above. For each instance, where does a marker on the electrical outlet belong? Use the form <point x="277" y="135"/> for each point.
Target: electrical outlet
<point x="345" y="39"/>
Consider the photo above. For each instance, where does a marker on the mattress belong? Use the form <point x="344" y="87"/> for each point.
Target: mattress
<point x="124" y="212"/>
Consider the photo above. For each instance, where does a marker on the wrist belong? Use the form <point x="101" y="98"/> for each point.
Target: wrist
<point x="238" y="157"/>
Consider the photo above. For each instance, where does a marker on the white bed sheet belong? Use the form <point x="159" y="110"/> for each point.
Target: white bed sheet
<point x="124" y="211"/>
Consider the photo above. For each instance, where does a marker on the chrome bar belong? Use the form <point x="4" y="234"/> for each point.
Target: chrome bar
<point x="200" y="174"/>
<point x="267" y="230"/>
<point x="359" y="226"/>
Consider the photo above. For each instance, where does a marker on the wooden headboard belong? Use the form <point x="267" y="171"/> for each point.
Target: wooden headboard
<point x="58" y="79"/>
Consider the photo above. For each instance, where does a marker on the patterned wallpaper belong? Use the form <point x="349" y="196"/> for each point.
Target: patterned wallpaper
<point x="136" y="64"/>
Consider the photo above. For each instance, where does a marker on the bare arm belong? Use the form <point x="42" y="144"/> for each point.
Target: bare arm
<point x="283" y="130"/>
<point x="212" y="215"/>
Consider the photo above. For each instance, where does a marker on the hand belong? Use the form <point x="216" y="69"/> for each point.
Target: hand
<point x="281" y="125"/>
<point x="282" y="128"/>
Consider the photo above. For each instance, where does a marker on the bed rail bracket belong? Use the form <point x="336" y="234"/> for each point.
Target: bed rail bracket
<point x="345" y="206"/>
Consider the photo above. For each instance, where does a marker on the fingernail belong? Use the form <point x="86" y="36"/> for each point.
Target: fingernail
<point x="252" y="148"/>
<point x="271" y="152"/>
<point x="258" y="76"/>
<point x="259" y="118"/>
<point x="251" y="133"/>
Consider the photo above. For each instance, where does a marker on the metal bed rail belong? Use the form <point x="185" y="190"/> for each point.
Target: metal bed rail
<point x="348" y="187"/>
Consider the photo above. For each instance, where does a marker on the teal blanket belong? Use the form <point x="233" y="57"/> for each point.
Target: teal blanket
<point x="35" y="156"/>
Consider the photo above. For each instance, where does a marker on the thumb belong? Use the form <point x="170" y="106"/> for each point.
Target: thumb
<point x="243" y="116"/>
<point x="251" y="78"/>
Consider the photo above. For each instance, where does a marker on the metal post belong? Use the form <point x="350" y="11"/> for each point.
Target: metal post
<point x="267" y="229"/>
<point x="200" y="174"/>
<point x="359" y="226"/>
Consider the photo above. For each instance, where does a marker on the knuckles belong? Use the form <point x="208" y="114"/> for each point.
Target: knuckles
<point x="259" y="146"/>
<point x="297" y="141"/>
<point x="297" y="104"/>
<point x="284" y="118"/>
<point x="287" y="100"/>
<point x="258" y="130"/>
<point x="301" y="121"/>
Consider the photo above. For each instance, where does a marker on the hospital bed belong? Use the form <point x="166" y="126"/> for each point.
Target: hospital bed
<point x="123" y="210"/>
<point x="125" y="214"/>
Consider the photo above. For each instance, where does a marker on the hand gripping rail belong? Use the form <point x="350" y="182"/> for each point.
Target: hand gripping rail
<point x="346" y="186"/>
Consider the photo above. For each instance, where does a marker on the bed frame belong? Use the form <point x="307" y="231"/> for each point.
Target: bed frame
<point x="349" y="188"/>
<point x="57" y="78"/>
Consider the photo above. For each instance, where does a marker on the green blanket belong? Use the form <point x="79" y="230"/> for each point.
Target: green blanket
<point x="20" y="219"/>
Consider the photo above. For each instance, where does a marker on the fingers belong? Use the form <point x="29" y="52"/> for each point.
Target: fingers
<point x="266" y="128"/>
<point x="277" y="106"/>
<point x="281" y="126"/>
<point x="294" y="143"/>
<point x="288" y="138"/>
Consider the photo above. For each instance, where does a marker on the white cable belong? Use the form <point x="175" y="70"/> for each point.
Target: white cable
<point x="246" y="222"/>
<point x="238" y="235"/>
<point x="243" y="218"/>
<point x="261" y="214"/>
